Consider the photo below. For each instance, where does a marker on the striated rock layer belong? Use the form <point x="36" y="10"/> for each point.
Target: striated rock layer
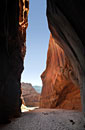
<point x="30" y="96"/>
<point x="13" y="24"/>
<point x="66" y="20"/>
<point x="58" y="90"/>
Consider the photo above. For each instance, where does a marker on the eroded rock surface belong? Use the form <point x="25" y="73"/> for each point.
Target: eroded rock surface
<point x="13" y="24"/>
<point x="58" y="90"/>
<point x="66" y="20"/>
<point x="30" y="96"/>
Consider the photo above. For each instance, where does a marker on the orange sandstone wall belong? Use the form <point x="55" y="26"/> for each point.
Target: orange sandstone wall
<point x="58" y="90"/>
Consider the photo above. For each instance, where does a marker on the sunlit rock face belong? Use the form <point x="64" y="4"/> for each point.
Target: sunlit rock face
<point x="12" y="51"/>
<point x="30" y="96"/>
<point x="58" y="90"/>
<point x="66" y="21"/>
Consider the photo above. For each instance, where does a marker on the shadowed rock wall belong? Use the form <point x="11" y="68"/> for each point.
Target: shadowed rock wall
<point x="12" y="51"/>
<point x="58" y="90"/>
<point x="66" y="21"/>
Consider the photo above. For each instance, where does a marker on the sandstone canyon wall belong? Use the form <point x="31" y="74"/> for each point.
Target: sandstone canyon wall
<point x="13" y="24"/>
<point x="30" y="96"/>
<point x="58" y="90"/>
<point x="66" y="20"/>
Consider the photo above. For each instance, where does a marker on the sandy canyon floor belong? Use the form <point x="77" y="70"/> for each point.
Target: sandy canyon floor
<point x="47" y="119"/>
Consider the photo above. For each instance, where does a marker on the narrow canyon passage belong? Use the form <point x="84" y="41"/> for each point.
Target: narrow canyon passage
<point x="63" y="80"/>
<point x="37" y="39"/>
<point x="59" y="89"/>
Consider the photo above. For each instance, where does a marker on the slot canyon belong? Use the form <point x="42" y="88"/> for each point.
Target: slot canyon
<point x="64" y="77"/>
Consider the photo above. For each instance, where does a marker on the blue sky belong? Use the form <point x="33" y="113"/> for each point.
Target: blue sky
<point x="37" y="41"/>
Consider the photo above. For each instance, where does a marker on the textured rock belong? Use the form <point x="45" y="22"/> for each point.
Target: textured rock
<point x="12" y="51"/>
<point x="66" y="21"/>
<point x="58" y="90"/>
<point x="30" y="96"/>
